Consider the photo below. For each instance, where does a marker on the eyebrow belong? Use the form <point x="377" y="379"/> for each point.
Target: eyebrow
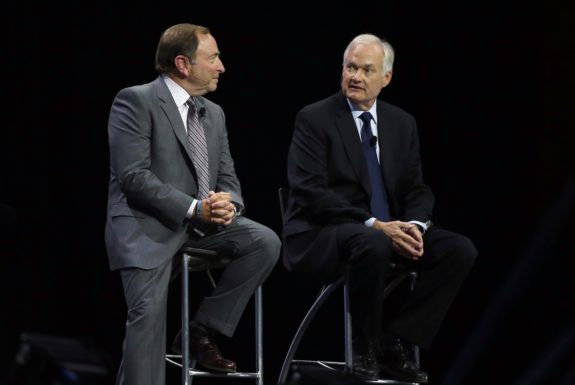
<point x="354" y="64"/>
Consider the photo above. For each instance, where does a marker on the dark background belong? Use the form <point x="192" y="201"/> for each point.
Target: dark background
<point x="491" y="86"/>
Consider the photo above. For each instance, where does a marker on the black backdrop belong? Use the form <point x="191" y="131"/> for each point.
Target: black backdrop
<point x="490" y="84"/>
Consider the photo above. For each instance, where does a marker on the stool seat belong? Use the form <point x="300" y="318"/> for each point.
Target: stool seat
<point x="203" y="259"/>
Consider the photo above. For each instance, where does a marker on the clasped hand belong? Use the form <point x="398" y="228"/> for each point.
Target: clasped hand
<point x="218" y="208"/>
<point x="405" y="237"/>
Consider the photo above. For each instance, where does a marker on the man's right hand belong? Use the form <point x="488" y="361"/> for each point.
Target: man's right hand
<point x="406" y="239"/>
<point x="206" y="212"/>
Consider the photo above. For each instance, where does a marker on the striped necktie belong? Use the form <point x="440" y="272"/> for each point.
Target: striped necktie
<point x="197" y="139"/>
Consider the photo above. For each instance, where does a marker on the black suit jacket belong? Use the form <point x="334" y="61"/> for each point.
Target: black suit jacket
<point x="327" y="171"/>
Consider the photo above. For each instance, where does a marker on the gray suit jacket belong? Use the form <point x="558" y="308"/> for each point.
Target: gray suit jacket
<point x="152" y="177"/>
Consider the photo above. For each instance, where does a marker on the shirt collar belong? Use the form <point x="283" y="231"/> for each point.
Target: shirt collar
<point x="179" y="94"/>
<point x="356" y="111"/>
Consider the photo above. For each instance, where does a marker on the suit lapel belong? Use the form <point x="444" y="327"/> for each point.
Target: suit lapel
<point x="351" y="142"/>
<point x="385" y="140"/>
<point x="169" y="107"/>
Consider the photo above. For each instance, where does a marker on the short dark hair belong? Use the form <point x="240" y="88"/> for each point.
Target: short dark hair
<point x="179" y="39"/>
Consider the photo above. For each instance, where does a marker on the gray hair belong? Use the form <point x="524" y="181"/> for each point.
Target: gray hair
<point x="367" y="38"/>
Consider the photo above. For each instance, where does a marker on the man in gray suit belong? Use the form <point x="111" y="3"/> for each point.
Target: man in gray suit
<point x="164" y="193"/>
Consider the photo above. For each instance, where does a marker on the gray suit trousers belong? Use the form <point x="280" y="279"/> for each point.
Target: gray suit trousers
<point x="253" y="249"/>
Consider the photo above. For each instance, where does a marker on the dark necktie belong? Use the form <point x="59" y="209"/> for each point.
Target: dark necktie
<point x="197" y="139"/>
<point x="379" y="205"/>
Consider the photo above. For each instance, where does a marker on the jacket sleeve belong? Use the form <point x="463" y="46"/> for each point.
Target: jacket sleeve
<point x="130" y="139"/>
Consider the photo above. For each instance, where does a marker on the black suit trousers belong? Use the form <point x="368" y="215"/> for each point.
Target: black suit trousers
<point x="366" y="253"/>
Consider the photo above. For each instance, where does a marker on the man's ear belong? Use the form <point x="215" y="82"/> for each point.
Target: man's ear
<point x="387" y="78"/>
<point x="181" y="63"/>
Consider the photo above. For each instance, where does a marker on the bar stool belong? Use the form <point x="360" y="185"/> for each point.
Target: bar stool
<point x="397" y="275"/>
<point x="194" y="260"/>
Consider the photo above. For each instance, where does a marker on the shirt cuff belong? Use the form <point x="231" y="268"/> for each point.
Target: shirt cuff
<point x="192" y="209"/>
<point x="369" y="222"/>
<point x="422" y="224"/>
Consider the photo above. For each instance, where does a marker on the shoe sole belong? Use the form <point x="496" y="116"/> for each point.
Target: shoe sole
<point x="398" y="377"/>
<point x="361" y="376"/>
<point x="212" y="368"/>
<point x="216" y="369"/>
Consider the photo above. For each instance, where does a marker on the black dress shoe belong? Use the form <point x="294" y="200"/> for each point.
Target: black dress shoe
<point x="398" y="361"/>
<point x="364" y="360"/>
<point x="205" y="352"/>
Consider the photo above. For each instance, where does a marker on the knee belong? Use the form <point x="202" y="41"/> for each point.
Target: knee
<point x="465" y="251"/>
<point x="270" y="241"/>
<point x="270" y="244"/>
<point x="374" y="249"/>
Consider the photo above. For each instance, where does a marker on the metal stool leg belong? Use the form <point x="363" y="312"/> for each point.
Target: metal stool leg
<point x="347" y="326"/>
<point x="259" y="335"/>
<point x="186" y="379"/>
<point x="322" y="297"/>
<point x="413" y="279"/>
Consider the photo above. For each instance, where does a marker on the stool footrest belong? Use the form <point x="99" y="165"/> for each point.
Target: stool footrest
<point x="177" y="361"/>
<point x="333" y="364"/>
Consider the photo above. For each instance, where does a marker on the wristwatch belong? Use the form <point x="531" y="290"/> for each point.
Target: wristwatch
<point x="423" y="230"/>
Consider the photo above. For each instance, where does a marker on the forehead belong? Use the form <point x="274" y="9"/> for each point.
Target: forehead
<point x="365" y="53"/>
<point x="207" y="44"/>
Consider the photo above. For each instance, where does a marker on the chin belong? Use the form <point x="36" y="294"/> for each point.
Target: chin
<point x="353" y="98"/>
<point x="351" y="94"/>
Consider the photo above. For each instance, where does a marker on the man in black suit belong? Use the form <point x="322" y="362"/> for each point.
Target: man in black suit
<point x="173" y="182"/>
<point x="357" y="201"/>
